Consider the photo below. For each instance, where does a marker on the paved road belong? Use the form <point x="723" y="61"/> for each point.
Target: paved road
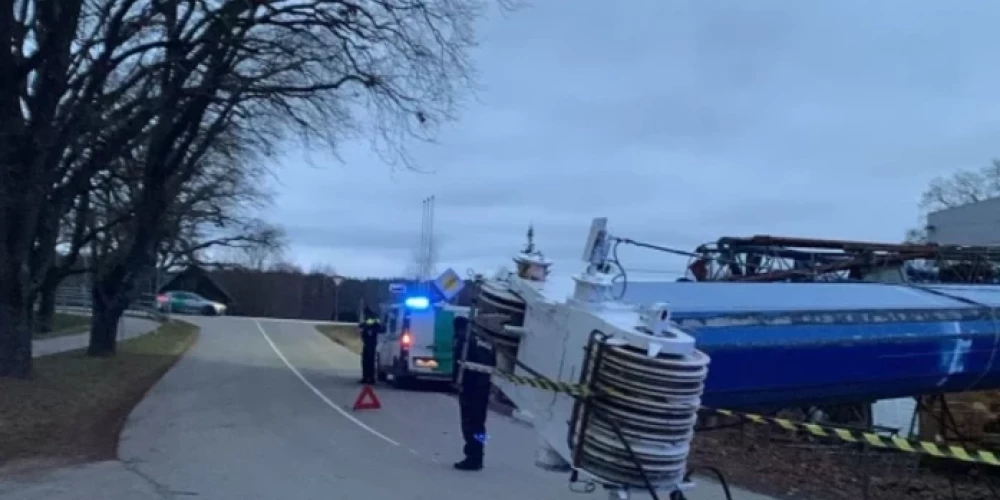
<point x="256" y="410"/>
<point x="130" y="327"/>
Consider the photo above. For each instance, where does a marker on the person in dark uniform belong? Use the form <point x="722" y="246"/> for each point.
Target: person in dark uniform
<point x="370" y="328"/>
<point x="473" y="394"/>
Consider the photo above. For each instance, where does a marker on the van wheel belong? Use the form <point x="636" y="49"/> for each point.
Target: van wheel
<point x="399" y="379"/>
<point x="380" y="374"/>
<point x="401" y="382"/>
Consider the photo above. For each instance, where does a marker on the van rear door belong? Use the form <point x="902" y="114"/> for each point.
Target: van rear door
<point x="432" y="341"/>
<point x="388" y="342"/>
<point x="421" y="327"/>
<point x="444" y="339"/>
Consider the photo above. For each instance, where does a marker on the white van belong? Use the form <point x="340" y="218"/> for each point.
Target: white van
<point x="418" y="341"/>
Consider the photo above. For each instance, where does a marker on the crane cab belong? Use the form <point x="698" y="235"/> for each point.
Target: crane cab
<point x="418" y="341"/>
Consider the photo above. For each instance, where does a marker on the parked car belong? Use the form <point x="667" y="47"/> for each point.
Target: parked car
<point x="188" y="303"/>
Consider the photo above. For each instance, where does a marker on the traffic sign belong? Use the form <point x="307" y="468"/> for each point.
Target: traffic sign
<point x="449" y="284"/>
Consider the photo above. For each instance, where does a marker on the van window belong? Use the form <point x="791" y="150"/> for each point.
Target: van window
<point x="390" y="326"/>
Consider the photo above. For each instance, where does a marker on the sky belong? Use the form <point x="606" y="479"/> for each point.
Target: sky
<point x="680" y="121"/>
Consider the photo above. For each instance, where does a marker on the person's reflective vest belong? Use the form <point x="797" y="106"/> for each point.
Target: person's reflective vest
<point x="369" y="329"/>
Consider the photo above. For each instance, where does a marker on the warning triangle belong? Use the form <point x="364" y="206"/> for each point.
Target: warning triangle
<point x="367" y="400"/>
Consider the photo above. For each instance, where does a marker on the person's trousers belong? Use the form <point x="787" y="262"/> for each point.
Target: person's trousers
<point x="473" y="406"/>
<point x="368" y="362"/>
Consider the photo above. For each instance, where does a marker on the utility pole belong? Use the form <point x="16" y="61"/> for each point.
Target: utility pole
<point x="337" y="280"/>
<point x="425" y="254"/>
<point x="423" y="240"/>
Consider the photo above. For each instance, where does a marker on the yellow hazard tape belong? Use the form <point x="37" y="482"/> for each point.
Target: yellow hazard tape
<point x="871" y="439"/>
<point x="546" y="385"/>
<point x="537" y="383"/>
<point x="844" y="435"/>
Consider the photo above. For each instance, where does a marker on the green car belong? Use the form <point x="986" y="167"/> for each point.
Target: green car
<point x="188" y="303"/>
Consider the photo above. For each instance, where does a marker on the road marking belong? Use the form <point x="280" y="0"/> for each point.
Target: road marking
<point x="302" y="321"/>
<point x="319" y="393"/>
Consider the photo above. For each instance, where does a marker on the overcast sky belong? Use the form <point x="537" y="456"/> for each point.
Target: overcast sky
<point x="681" y="122"/>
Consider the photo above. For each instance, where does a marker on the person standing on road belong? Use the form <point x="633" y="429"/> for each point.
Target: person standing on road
<point x="370" y="328"/>
<point x="473" y="394"/>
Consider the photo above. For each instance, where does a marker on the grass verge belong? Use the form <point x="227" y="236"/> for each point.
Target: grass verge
<point x="345" y="335"/>
<point x="74" y="407"/>
<point x="66" y="324"/>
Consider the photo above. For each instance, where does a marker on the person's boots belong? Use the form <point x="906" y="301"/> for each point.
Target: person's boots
<point x="469" y="464"/>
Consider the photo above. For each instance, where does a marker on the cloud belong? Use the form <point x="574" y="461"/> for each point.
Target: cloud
<point x="681" y="121"/>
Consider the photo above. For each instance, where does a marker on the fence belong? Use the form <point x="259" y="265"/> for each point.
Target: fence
<point x="76" y="297"/>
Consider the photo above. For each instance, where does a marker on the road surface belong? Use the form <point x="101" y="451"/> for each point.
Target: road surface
<point x="130" y="327"/>
<point x="257" y="410"/>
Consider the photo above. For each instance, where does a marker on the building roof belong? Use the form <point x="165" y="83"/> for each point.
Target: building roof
<point x="170" y="278"/>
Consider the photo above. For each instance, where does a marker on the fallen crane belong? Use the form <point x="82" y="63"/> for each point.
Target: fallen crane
<point x="615" y="385"/>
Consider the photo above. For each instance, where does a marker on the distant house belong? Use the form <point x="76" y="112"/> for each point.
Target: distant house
<point x="197" y="280"/>
<point x="972" y="224"/>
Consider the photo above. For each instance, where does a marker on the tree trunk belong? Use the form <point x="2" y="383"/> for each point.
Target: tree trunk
<point x="46" y="309"/>
<point x="42" y="319"/>
<point x="40" y="266"/>
<point x="109" y="303"/>
<point x="15" y="332"/>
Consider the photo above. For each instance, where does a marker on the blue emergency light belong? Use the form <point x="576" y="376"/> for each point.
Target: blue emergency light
<point x="417" y="302"/>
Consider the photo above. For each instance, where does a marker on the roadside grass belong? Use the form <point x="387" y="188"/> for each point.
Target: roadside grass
<point x="345" y="335"/>
<point x="73" y="408"/>
<point x="66" y="324"/>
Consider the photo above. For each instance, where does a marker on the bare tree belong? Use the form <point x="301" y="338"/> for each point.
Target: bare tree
<point x="961" y="188"/>
<point x="251" y="237"/>
<point x="154" y="88"/>
<point x="261" y="257"/>
<point x="424" y="261"/>
<point x="324" y="269"/>
<point x="263" y="69"/>
<point x="286" y="267"/>
<point x="40" y="114"/>
<point x="213" y="211"/>
<point x="66" y="111"/>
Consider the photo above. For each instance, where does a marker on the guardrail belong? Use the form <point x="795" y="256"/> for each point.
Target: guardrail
<point x="79" y="301"/>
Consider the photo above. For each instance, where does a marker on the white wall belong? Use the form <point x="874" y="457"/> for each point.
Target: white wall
<point x="972" y="224"/>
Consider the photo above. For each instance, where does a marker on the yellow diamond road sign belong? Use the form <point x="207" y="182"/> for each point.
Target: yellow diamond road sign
<point x="449" y="284"/>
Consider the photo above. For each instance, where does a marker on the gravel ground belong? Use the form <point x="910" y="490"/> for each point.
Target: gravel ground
<point x="786" y="466"/>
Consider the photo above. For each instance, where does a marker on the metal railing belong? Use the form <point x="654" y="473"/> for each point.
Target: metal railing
<point x="78" y="300"/>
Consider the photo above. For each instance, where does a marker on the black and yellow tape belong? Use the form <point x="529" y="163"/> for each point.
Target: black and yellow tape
<point x="537" y="383"/>
<point x="870" y="438"/>
<point x="546" y="385"/>
<point x="844" y="435"/>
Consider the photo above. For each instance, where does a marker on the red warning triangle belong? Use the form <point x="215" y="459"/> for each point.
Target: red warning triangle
<point x="367" y="400"/>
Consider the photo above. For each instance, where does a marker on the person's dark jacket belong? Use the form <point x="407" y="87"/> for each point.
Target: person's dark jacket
<point x="479" y="352"/>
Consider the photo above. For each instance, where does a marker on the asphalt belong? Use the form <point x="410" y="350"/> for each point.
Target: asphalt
<point x="260" y="410"/>
<point x="130" y="327"/>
